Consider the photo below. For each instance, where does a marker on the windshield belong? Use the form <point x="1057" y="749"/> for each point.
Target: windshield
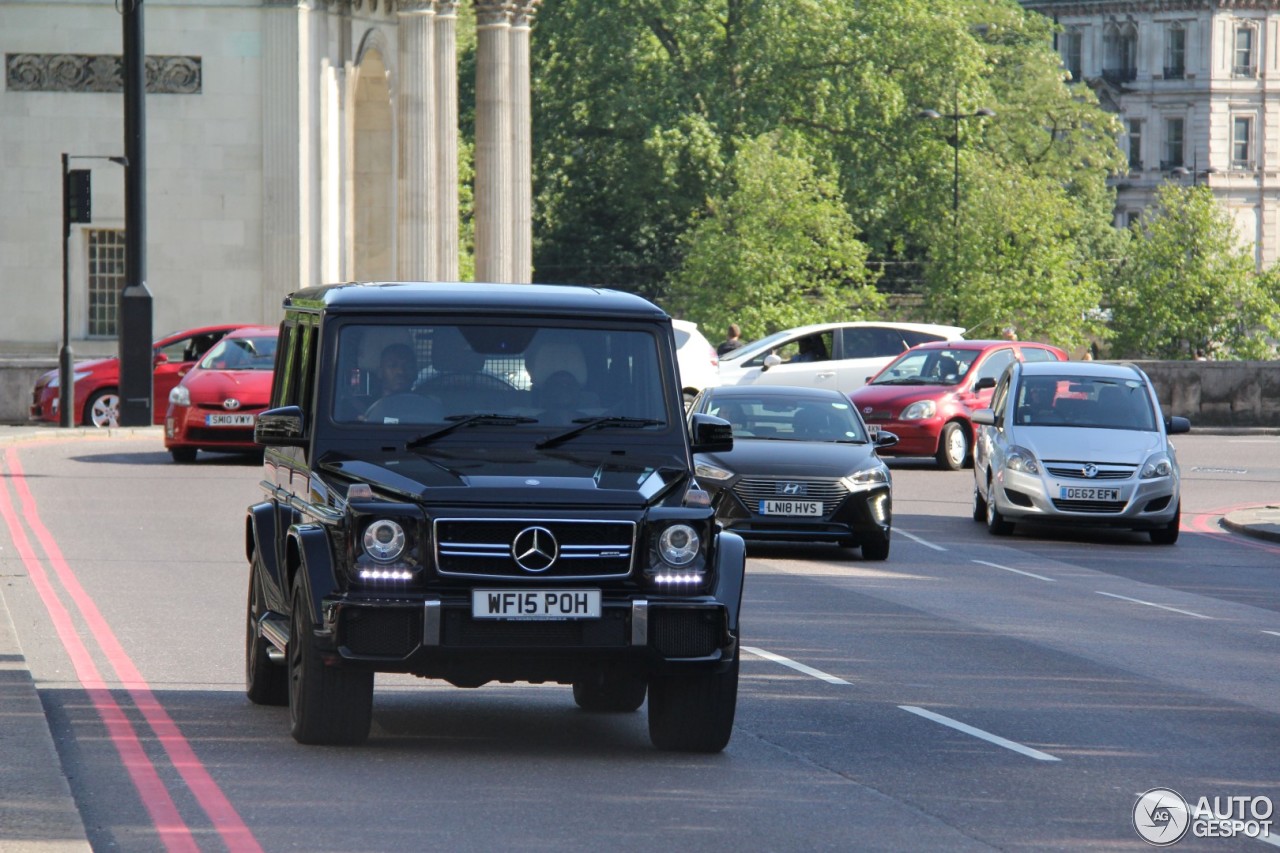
<point x="947" y="366"/>
<point x="454" y="376"/>
<point x="248" y="353"/>
<point x="1077" y="401"/>
<point x="755" y="347"/>
<point x="787" y="418"/>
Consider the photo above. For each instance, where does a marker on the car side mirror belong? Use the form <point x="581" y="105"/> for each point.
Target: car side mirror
<point x="771" y="360"/>
<point x="984" y="383"/>
<point x="710" y="434"/>
<point x="884" y="438"/>
<point x="983" y="417"/>
<point x="1176" y="425"/>
<point x="161" y="358"/>
<point x="282" y="427"/>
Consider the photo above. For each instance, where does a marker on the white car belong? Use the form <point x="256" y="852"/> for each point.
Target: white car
<point x="1077" y="443"/>
<point x="699" y="364"/>
<point x="842" y="356"/>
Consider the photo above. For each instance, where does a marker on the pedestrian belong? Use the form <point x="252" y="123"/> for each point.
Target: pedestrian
<point x="1009" y="333"/>
<point x="732" y="342"/>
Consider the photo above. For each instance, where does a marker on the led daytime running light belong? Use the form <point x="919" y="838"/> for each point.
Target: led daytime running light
<point x="385" y="575"/>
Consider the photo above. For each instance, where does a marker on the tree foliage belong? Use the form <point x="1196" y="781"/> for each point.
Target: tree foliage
<point x="1186" y="286"/>
<point x="779" y="250"/>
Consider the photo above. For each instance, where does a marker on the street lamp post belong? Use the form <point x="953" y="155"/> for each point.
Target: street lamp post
<point x="75" y="208"/>
<point x="956" y="117"/>
<point x="1194" y="172"/>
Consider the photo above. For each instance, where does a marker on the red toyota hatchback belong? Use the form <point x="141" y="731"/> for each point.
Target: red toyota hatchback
<point x="925" y="395"/>
<point x="216" y="404"/>
<point x="97" y="381"/>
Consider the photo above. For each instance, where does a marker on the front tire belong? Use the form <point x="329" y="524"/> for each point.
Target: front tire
<point x="997" y="525"/>
<point x="953" y="447"/>
<point x="327" y="705"/>
<point x="1168" y="534"/>
<point x="265" y="683"/>
<point x="979" y="504"/>
<point x="693" y="713"/>
<point x="876" y="549"/>
<point x="103" y="409"/>
<point x="610" y="693"/>
<point x="183" y="455"/>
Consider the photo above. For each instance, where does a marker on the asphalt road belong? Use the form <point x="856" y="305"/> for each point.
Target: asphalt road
<point x="972" y="692"/>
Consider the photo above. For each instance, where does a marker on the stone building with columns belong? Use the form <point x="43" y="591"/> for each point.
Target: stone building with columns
<point x="287" y="143"/>
<point x="1195" y="83"/>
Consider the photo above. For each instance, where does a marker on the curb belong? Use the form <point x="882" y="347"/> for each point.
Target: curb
<point x="1260" y="522"/>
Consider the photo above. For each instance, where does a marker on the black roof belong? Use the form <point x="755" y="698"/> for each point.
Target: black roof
<point x="796" y="392"/>
<point x="448" y="297"/>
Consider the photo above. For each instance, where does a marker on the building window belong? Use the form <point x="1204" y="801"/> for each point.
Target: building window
<point x="1242" y="142"/>
<point x="1175" y="52"/>
<point x="106" y="280"/>
<point x="1244" y="64"/>
<point x="1135" y="145"/>
<point x="1173" y="157"/>
<point x="1072" y="53"/>
<point x="1132" y="218"/>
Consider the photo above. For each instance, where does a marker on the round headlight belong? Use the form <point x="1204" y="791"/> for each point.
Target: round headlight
<point x="384" y="540"/>
<point x="678" y="545"/>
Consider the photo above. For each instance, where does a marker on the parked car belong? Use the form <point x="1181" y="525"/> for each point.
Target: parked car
<point x="97" y="381"/>
<point x="803" y="468"/>
<point x="925" y="396"/>
<point x="841" y="356"/>
<point x="215" y="406"/>
<point x="699" y="364"/>
<point x="1079" y="443"/>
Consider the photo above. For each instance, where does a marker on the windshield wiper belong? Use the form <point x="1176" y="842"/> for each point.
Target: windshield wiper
<point x="585" y="424"/>
<point x="460" y="421"/>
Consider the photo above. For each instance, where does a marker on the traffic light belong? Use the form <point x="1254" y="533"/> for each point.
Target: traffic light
<point x="78" y="196"/>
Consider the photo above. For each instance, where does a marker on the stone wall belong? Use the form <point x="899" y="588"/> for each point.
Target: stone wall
<point x="1210" y="393"/>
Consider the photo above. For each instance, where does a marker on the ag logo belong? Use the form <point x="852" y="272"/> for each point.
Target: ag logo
<point x="535" y="549"/>
<point x="1161" y="816"/>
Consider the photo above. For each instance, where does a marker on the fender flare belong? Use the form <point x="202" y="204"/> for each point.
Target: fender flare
<point x="731" y="572"/>
<point x="315" y="570"/>
<point x="260" y="532"/>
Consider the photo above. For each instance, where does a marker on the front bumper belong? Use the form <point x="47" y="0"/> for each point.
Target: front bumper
<point x="862" y="516"/>
<point x="915" y="438"/>
<point x="1141" y="504"/>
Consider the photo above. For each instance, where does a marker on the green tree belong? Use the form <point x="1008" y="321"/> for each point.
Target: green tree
<point x="779" y="250"/>
<point x="1186" y="285"/>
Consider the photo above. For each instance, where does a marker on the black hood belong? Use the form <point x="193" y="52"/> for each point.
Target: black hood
<point x="515" y="476"/>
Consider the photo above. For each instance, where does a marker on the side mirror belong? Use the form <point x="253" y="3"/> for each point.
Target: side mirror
<point x="160" y="358"/>
<point x="282" y="427"/>
<point x="884" y="438"/>
<point x="983" y="417"/>
<point x="1176" y="425"/>
<point x="771" y="360"/>
<point x="710" y="434"/>
<point x="984" y="383"/>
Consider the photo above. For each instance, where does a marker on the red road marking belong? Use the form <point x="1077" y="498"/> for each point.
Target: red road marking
<point x="155" y="797"/>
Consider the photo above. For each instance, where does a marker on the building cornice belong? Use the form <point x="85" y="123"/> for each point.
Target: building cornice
<point x="1051" y="8"/>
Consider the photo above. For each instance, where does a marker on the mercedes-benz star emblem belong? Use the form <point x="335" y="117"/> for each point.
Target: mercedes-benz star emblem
<point x="535" y="549"/>
<point x="231" y="404"/>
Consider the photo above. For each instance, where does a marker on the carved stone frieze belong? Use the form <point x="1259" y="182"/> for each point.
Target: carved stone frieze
<point x="79" y="72"/>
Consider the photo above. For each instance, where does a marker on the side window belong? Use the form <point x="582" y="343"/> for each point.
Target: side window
<point x="283" y="390"/>
<point x="1037" y="354"/>
<point x="994" y="364"/>
<point x="306" y="379"/>
<point x="1001" y="397"/>
<point x="871" y="342"/>
<point x="815" y="347"/>
<point x="917" y="338"/>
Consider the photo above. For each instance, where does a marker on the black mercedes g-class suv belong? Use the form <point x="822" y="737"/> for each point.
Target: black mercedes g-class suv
<point x="483" y="482"/>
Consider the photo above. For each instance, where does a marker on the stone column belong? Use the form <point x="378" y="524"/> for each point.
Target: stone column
<point x="416" y="178"/>
<point x="446" y="138"/>
<point x="493" y="140"/>
<point x="284" y="47"/>
<point x="521" y="268"/>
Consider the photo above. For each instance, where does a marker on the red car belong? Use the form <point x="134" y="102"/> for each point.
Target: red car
<point x="97" y="381"/>
<point x="925" y="395"/>
<point x="216" y="404"/>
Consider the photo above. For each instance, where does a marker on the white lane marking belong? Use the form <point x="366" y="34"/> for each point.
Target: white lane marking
<point x="796" y="665"/>
<point x="1016" y="571"/>
<point x="917" y="539"/>
<point x="1272" y="633"/>
<point x="979" y="733"/>
<point x="1153" y="604"/>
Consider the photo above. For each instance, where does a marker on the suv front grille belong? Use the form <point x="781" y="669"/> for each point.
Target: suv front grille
<point x="486" y="548"/>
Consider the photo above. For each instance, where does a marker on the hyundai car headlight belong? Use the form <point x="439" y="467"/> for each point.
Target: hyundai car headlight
<point x="1157" y="465"/>
<point x="920" y="410"/>
<point x="711" y="472"/>
<point x="384" y="540"/>
<point x="1022" y="460"/>
<point x="866" y="479"/>
<point x="180" y="396"/>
